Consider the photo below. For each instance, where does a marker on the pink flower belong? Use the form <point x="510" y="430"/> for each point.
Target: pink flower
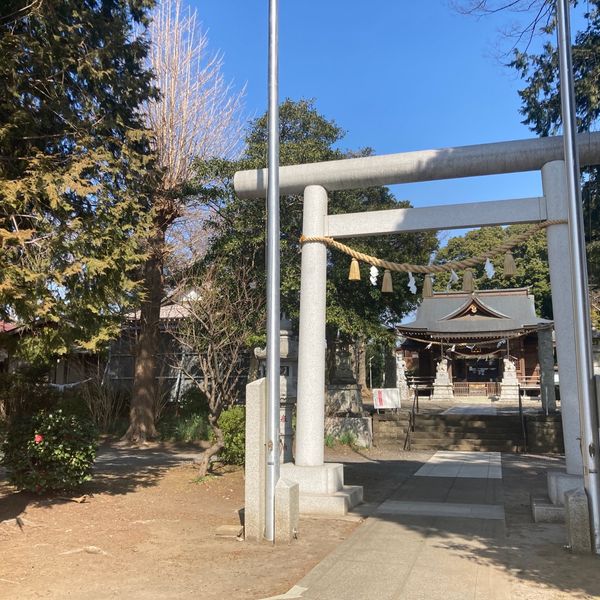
<point x="38" y="439"/>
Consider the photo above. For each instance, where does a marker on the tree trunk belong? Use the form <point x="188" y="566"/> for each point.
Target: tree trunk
<point x="144" y="392"/>
<point x="204" y="465"/>
<point x="330" y="354"/>
<point x="361" y="363"/>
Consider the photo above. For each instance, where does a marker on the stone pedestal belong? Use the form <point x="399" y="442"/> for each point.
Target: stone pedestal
<point x="509" y="386"/>
<point x="360" y="428"/>
<point x="401" y="381"/>
<point x="288" y="352"/>
<point x="443" y="389"/>
<point x="343" y="400"/>
<point x="322" y="489"/>
<point x="546" y="359"/>
<point x="343" y="393"/>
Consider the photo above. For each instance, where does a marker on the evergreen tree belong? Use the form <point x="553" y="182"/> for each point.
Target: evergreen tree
<point x="355" y="310"/>
<point x="531" y="259"/>
<point x="541" y="108"/>
<point x="75" y="160"/>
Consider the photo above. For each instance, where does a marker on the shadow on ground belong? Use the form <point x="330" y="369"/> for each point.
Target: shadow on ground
<point x="528" y="551"/>
<point x="118" y="470"/>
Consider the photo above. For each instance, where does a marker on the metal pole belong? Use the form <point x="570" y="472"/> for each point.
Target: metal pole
<point x="583" y="347"/>
<point x="273" y="312"/>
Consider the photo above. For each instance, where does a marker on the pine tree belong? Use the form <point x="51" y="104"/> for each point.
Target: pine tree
<point x="75" y="160"/>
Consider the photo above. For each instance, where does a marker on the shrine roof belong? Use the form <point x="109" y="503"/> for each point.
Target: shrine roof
<point x="479" y="314"/>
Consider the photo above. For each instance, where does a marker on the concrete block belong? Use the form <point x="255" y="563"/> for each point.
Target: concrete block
<point x="559" y="483"/>
<point x="254" y="510"/>
<point x="324" y="479"/>
<point x="578" y="521"/>
<point x="359" y="427"/>
<point x="331" y="505"/>
<point x="543" y="511"/>
<point x="287" y="510"/>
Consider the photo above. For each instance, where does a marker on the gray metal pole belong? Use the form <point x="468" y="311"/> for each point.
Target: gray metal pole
<point x="583" y="347"/>
<point x="273" y="310"/>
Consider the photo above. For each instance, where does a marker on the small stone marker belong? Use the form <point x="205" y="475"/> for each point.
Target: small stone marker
<point x="229" y="531"/>
<point x="287" y="510"/>
<point x="578" y="521"/>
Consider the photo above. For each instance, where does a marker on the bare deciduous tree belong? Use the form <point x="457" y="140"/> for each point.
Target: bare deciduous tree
<point x="225" y="311"/>
<point x="530" y="17"/>
<point x="197" y="117"/>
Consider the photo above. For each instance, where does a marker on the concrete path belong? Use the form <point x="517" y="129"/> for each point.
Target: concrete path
<point x="429" y="540"/>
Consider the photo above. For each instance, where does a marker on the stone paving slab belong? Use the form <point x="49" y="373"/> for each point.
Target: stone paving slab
<point x="442" y="509"/>
<point x="448" y="523"/>
<point x="463" y="464"/>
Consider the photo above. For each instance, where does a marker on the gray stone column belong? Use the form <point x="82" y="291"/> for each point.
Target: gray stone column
<point x="310" y="415"/>
<point x="553" y="181"/>
<point x="546" y="360"/>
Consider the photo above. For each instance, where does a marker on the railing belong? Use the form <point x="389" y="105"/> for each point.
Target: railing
<point x="476" y="388"/>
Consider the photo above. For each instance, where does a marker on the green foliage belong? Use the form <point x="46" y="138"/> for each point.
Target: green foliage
<point x="193" y="401"/>
<point x="345" y="439"/>
<point x="72" y="404"/>
<point x="24" y="392"/>
<point x="188" y="422"/>
<point x="232" y="423"/>
<point x="531" y="259"/>
<point x="189" y="428"/>
<point x="75" y="167"/>
<point x="541" y="108"/>
<point x="353" y="308"/>
<point x="49" y="451"/>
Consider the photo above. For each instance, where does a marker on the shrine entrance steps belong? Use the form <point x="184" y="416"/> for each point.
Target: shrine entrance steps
<point x="480" y="432"/>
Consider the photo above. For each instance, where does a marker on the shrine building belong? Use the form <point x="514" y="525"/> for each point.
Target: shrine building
<point x="476" y="332"/>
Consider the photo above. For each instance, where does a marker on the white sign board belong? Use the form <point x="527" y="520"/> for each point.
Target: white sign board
<point x="386" y="398"/>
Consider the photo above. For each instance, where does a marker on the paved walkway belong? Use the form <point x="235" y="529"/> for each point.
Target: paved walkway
<point x="426" y="541"/>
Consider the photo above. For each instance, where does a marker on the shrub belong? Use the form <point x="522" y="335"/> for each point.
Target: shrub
<point x="184" y="429"/>
<point x="24" y="393"/>
<point x="193" y="402"/>
<point x="49" y="451"/>
<point x="104" y="403"/>
<point x="232" y="423"/>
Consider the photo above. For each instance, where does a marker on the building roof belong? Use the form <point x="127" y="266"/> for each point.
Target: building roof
<point x="481" y="314"/>
<point x="168" y="312"/>
<point x="6" y="327"/>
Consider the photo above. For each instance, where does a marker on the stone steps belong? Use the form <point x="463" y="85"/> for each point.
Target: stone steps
<point x="492" y="433"/>
<point x="465" y="445"/>
<point x="466" y="435"/>
<point x="335" y="504"/>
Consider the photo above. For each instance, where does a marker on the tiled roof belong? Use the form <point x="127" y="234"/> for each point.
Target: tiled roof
<point x="484" y="313"/>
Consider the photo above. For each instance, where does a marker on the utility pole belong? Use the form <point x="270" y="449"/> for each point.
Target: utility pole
<point x="273" y="279"/>
<point x="583" y="347"/>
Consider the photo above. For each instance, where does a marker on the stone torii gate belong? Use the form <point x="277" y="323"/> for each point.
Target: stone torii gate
<point x="321" y="484"/>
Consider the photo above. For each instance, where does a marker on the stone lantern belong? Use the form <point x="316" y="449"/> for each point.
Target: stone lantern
<point x="288" y="349"/>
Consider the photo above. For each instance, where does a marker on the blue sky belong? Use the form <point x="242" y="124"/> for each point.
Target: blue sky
<point x="396" y="75"/>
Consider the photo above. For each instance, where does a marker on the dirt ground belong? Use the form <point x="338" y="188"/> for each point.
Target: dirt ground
<point x="147" y="530"/>
<point x="148" y="535"/>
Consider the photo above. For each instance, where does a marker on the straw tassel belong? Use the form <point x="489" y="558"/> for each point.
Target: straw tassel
<point x="510" y="268"/>
<point x="427" y="286"/>
<point x="386" y="286"/>
<point x="468" y="285"/>
<point x="354" y="274"/>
